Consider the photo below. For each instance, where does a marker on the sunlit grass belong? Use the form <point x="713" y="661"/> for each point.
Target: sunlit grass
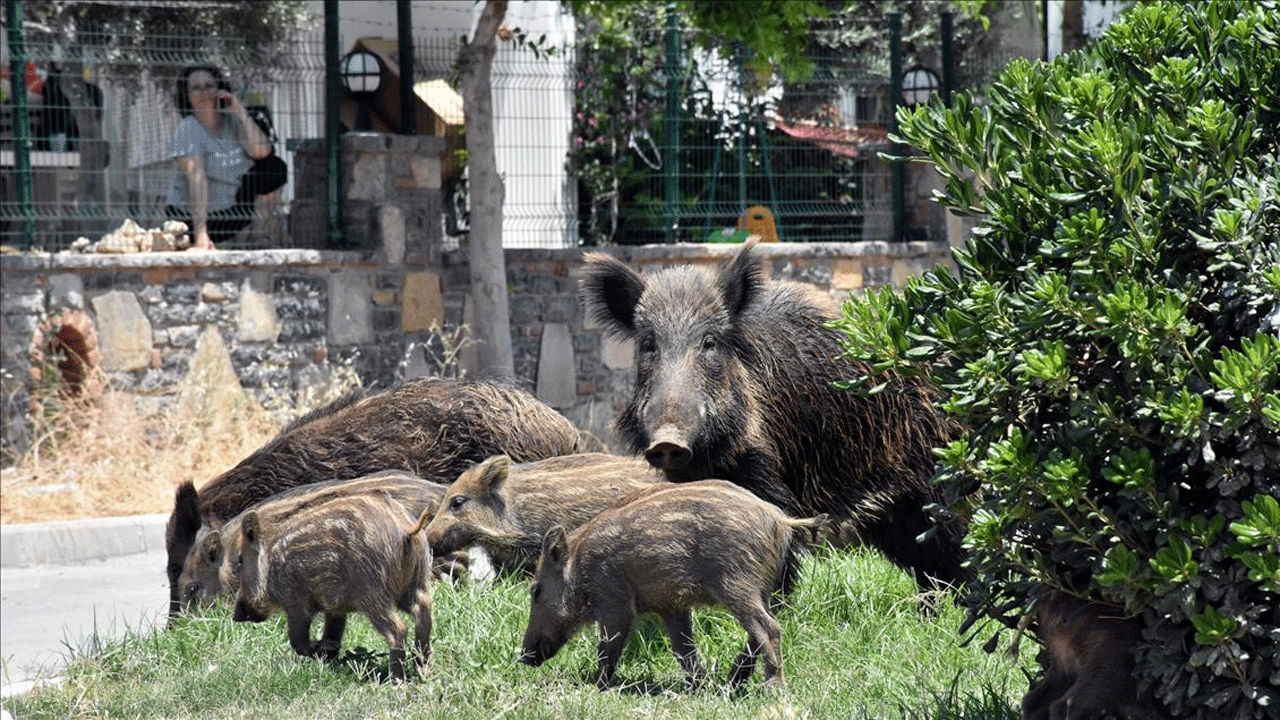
<point x="855" y="645"/>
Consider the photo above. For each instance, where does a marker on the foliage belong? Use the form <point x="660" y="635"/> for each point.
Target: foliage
<point x="802" y="56"/>
<point x="130" y="35"/>
<point x="854" y="646"/>
<point x="1112" y="341"/>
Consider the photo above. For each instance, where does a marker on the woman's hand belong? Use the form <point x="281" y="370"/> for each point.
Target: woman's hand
<point x="252" y="139"/>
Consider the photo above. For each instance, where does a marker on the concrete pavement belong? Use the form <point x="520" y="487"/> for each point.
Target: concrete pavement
<point x="62" y="584"/>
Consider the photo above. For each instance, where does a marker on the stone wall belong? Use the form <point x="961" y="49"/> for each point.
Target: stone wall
<point x="286" y="319"/>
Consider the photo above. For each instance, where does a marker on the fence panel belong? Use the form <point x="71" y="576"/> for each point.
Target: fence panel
<point x="100" y="125"/>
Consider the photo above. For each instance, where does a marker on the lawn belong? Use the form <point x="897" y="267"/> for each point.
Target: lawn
<point x="856" y="644"/>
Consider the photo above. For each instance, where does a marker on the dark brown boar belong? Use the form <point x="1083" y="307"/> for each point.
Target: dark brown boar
<point x="665" y="551"/>
<point x="736" y="379"/>
<point x="434" y="428"/>
<point x="507" y="508"/>
<point x="1088" y="661"/>
<point x="212" y="570"/>
<point x="361" y="553"/>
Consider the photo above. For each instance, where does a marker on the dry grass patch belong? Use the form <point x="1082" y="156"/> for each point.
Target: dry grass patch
<point x="123" y="454"/>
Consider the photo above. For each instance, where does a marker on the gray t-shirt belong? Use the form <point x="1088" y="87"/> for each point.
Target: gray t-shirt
<point x="225" y="161"/>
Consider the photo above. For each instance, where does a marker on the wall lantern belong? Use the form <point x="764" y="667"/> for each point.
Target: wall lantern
<point x="361" y="73"/>
<point x="918" y="85"/>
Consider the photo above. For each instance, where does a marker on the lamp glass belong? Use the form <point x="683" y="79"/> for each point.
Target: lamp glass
<point x="361" y="72"/>
<point x="918" y="85"/>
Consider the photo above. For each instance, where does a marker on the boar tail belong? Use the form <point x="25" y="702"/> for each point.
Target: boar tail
<point x="423" y="519"/>
<point x="813" y="525"/>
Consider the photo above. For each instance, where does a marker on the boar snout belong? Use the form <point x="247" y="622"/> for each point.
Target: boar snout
<point x="669" y="449"/>
<point x="246" y="613"/>
<point x="534" y="654"/>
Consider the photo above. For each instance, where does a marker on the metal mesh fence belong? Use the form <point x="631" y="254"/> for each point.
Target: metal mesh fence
<point x="808" y="152"/>
<point x="583" y="154"/>
<point x="100" y="126"/>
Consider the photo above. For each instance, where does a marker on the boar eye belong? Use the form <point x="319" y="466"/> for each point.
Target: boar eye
<point x="709" y="343"/>
<point x="534" y="591"/>
<point x="191" y="589"/>
<point x="457" y="502"/>
<point x="648" y="344"/>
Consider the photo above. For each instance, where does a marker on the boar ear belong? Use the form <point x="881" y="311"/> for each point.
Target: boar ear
<point x="494" y="472"/>
<point x="609" y="292"/>
<point x="250" y="527"/>
<point x="555" y="545"/>
<point x="213" y="547"/>
<point x="186" y="511"/>
<point x="741" y="279"/>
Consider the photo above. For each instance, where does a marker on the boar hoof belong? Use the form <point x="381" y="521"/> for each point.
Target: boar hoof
<point x="325" y="649"/>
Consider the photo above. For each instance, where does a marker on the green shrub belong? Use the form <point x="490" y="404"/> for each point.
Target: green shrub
<point x="1112" y="340"/>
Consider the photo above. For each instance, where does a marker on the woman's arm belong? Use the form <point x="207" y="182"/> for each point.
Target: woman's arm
<point x="252" y="139"/>
<point x="198" y="198"/>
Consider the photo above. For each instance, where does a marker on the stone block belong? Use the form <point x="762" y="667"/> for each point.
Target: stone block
<point x="256" y="320"/>
<point x="846" y="274"/>
<point x="557" y="378"/>
<point x="389" y="232"/>
<point x="350" y="310"/>
<point x="66" y="290"/>
<point x="368" y="178"/>
<point x="124" y="333"/>
<point x="617" y="354"/>
<point x="421" y="302"/>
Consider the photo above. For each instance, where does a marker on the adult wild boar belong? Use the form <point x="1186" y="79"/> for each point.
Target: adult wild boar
<point x="665" y="551"/>
<point x="212" y="569"/>
<point x="507" y="509"/>
<point x="1088" y="661"/>
<point x="735" y="380"/>
<point x="361" y="553"/>
<point x="434" y="428"/>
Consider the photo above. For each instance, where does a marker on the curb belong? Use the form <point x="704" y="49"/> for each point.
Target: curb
<point x="51" y="543"/>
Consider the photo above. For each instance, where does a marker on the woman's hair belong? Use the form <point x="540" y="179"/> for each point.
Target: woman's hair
<point x="183" y="99"/>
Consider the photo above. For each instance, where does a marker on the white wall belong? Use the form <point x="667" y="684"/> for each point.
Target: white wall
<point x="532" y="102"/>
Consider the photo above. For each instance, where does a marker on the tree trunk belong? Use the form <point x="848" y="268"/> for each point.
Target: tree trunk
<point x="1072" y="25"/>
<point x="488" y="265"/>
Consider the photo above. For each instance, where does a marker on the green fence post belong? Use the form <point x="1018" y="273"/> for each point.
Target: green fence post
<point x="671" y="126"/>
<point x="21" y="123"/>
<point x="896" y="149"/>
<point x="334" y="237"/>
<point x="404" y="33"/>
<point x="948" y="60"/>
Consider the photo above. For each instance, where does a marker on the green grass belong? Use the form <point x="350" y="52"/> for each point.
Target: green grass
<point x="855" y="645"/>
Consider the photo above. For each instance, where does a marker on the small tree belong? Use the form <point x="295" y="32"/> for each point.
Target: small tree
<point x="1112" y="340"/>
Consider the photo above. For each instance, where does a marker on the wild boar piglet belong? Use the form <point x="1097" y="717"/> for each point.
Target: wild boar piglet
<point x="212" y="569"/>
<point x="357" y="554"/>
<point x="665" y="551"/>
<point x="506" y="508"/>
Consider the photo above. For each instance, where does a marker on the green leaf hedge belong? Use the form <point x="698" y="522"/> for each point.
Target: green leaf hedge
<point x="1111" y="340"/>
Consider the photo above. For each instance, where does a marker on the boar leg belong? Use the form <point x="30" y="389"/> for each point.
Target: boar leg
<point x="764" y="636"/>
<point x="615" y="626"/>
<point x="421" y="611"/>
<point x="299" y="621"/>
<point x="680" y="630"/>
<point x="392" y="629"/>
<point x="335" y="625"/>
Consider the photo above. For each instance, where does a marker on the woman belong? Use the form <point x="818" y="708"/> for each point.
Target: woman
<point x="226" y="161"/>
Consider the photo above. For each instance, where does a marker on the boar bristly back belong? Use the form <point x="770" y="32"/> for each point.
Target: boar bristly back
<point x="736" y="378"/>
